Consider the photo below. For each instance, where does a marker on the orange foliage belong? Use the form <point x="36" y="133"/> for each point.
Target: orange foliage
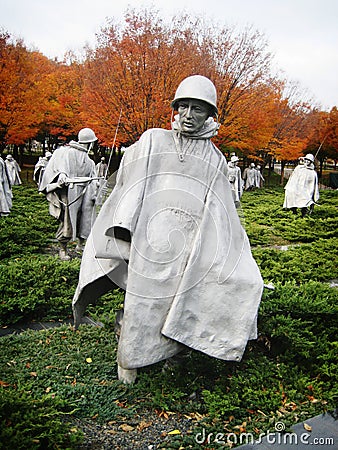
<point x="21" y="76"/>
<point x="136" y="70"/>
<point x="133" y="73"/>
<point x="62" y="100"/>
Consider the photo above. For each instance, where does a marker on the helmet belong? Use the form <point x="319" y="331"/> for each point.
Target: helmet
<point x="234" y="158"/>
<point x="197" y="87"/>
<point x="310" y="157"/>
<point x="86" y="135"/>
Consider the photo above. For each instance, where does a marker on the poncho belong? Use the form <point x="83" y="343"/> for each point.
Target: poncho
<point x="236" y="182"/>
<point x="301" y="190"/>
<point x="13" y="170"/>
<point x="5" y="190"/>
<point x="188" y="271"/>
<point x="73" y="161"/>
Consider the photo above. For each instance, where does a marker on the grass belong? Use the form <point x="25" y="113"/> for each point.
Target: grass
<point x="50" y="378"/>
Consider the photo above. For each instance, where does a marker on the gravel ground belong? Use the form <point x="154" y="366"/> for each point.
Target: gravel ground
<point x="143" y="432"/>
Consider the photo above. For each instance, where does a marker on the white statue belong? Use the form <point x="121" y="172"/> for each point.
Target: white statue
<point x="170" y="236"/>
<point x="5" y="190"/>
<point x="259" y="179"/>
<point x="249" y="177"/>
<point x="301" y="189"/>
<point x="69" y="186"/>
<point x="235" y="179"/>
<point x="13" y="170"/>
<point x="40" y="167"/>
<point x="102" y="168"/>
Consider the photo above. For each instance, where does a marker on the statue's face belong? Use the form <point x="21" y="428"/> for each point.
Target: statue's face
<point x="307" y="162"/>
<point x="192" y="114"/>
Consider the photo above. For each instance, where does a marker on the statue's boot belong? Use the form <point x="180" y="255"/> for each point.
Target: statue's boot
<point x="127" y="376"/>
<point x="63" y="253"/>
<point x="79" y="246"/>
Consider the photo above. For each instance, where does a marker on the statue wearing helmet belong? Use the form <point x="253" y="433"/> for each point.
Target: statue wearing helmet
<point x="13" y="170"/>
<point x="170" y="236"/>
<point x="259" y="179"/>
<point x="249" y="177"/>
<point x="235" y="179"/>
<point x="197" y="87"/>
<point x="301" y="189"/>
<point x="71" y="203"/>
<point x="86" y="136"/>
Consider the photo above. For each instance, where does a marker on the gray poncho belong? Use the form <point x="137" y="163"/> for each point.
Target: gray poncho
<point x="301" y="190"/>
<point x="5" y="190"/>
<point x="73" y="161"/>
<point x="188" y="271"/>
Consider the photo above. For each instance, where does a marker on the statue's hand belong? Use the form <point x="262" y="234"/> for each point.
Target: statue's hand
<point x="62" y="179"/>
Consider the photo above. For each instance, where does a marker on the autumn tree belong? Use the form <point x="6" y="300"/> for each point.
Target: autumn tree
<point x="323" y="142"/>
<point x="136" y="69"/>
<point x="21" y="76"/>
<point x="129" y="78"/>
<point x="294" y="122"/>
<point x="61" y="103"/>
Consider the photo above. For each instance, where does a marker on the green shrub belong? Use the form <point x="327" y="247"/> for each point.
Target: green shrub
<point x="301" y="263"/>
<point x="37" y="288"/>
<point x="29" y="227"/>
<point x="29" y="423"/>
<point x="289" y="373"/>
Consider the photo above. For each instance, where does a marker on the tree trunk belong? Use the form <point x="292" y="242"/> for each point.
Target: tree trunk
<point x="282" y="167"/>
<point x="269" y="169"/>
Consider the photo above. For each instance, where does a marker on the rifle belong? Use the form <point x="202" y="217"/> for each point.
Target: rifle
<point x="81" y="180"/>
<point x="321" y="144"/>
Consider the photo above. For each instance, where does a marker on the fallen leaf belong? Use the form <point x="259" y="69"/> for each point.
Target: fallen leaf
<point x="307" y="427"/>
<point x="126" y="427"/>
<point x="48" y="389"/>
<point x="4" y="384"/>
<point x="33" y="374"/>
<point x="89" y="360"/>
<point x="174" y="432"/>
<point x="142" y="425"/>
<point x="162" y="414"/>
<point x="194" y="416"/>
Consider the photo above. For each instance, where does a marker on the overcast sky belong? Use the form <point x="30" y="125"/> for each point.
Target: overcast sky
<point x="302" y="34"/>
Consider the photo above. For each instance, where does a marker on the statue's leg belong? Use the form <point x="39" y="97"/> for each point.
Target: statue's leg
<point x="80" y="245"/>
<point x="127" y="376"/>
<point x="63" y="255"/>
